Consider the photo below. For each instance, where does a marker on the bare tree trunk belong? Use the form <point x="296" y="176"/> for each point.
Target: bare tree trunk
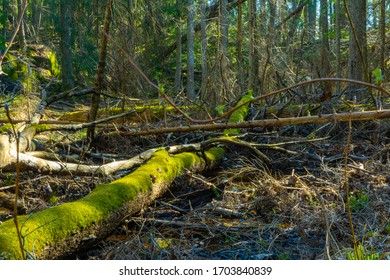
<point x="5" y="21"/>
<point x="99" y="81"/>
<point x="36" y="15"/>
<point x="239" y="48"/>
<point x="203" y="26"/>
<point x="312" y="21"/>
<point x="190" y="51"/>
<point x="325" y="64"/>
<point x="65" y="27"/>
<point x="253" y="60"/>
<point x="338" y="43"/>
<point x="224" y="27"/>
<point x="272" y="20"/>
<point x="22" y="30"/>
<point x="293" y="25"/>
<point x="357" y="59"/>
<point x="383" y="36"/>
<point x="177" y="84"/>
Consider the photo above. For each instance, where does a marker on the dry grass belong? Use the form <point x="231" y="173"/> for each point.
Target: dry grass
<point x="293" y="210"/>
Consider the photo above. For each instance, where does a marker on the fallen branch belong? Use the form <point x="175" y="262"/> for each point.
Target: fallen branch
<point x="337" y="117"/>
<point x="53" y="232"/>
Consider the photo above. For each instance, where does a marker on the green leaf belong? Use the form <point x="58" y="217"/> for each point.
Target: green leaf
<point x="378" y="76"/>
<point x="219" y="109"/>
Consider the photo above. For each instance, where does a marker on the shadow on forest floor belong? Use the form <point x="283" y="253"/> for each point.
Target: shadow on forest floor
<point x="293" y="209"/>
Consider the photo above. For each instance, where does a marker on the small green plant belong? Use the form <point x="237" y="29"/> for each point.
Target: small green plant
<point x="360" y="253"/>
<point x="283" y="257"/>
<point x="55" y="67"/>
<point x="9" y="179"/>
<point x="263" y="243"/>
<point x="163" y="243"/>
<point x="358" y="201"/>
<point x="53" y="199"/>
<point x="378" y="76"/>
<point x="219" y="109"/>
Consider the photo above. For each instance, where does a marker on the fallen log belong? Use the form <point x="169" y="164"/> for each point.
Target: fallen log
<point x="51" y="233"/>
<point x="60" y="230"/>
<point x="30" y="162"/>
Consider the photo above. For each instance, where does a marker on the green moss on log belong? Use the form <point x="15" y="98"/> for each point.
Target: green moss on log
<point x="5" y="127"/>
<point x="43" y="232"/>
<point x="41" y="127"/>
<point x="152" y="113"/>
<point x="239" y="115"/>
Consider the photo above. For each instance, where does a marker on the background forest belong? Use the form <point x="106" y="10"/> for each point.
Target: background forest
<point x="211" y="50"/>
<point x="321" y="188"/>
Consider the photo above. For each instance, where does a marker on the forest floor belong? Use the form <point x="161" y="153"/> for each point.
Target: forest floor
<point x="293" y="208"/>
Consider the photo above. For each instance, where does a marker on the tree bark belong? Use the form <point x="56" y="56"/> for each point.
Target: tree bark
<point x="253" y="56"/>
<point x="325" y="48"/>
<point x="22" y="29"/>
<point x="99" y="81"/>
<point x="177" y="84"/>
<point x="240" y="59"/>
<point x="68" y="80"/>
<point x="36" y="14"/>
<point x="312" y="21"/>
<point x="205" y="73"/>
<point x="224" y="27"/>
<point x="190" y="51"/>
<point x="212" y="12"/>
<point x="338" y="42"/>
<point x="357" y="58"/>
<point x="383" y="37"/>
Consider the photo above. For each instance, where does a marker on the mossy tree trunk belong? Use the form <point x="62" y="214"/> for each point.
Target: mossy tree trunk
<point x="59" y="230"/>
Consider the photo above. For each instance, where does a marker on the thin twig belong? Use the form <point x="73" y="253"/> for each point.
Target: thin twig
<point x="346" y="187"/>
<point x="16" y="135"/>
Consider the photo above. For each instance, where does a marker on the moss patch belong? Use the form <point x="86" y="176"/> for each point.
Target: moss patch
<point x="152" y="113"/>
<point x="239" y="115"/>
<point x="41" y="230"/>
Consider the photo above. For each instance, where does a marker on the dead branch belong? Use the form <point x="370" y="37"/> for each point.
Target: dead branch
<point x="78" y="126"/>
<point x="29" y="162"/>
<point x="337" y="117"/>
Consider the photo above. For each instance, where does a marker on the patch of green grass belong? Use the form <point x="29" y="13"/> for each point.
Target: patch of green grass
<point x="55" y="67"/>
<point x="53" y="199"/>
<point x="360" y="253"/>
<point x="283" y="256"/>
